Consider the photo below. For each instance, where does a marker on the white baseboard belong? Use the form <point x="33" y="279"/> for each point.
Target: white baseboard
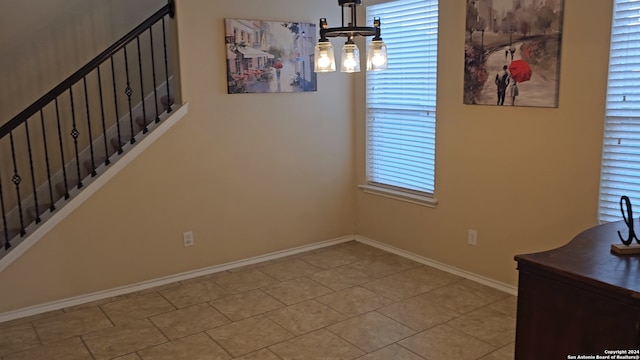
<point x="105" y="294"/>
<point x="438" y="265"/>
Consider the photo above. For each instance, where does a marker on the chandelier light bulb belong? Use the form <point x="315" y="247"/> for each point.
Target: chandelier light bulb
<point x="323" y="61"/>
<point x="350" y="58"/>
<point x="350" y="63"/>
<point x="378" y="59"/>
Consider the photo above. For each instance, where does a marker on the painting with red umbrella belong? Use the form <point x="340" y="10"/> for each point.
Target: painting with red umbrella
<point x="512" y="52"/>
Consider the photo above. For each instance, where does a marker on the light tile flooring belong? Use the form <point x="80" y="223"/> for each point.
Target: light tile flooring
<point x="348" y="301"/>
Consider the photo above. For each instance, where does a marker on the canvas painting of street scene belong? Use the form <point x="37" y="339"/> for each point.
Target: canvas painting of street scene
<point x="512" y="52"/>
<point x="269" y="56"/>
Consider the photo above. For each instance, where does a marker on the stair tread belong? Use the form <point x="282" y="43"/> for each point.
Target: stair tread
<point x="71" y="183"/>
<point x="114" y="143"/>
<point x="42" y="208"/>
<point x="165" y="100"/>
<point x="142" y="124"/>
<point x="41" y="205"/>
<point x="97" y="161"/>
<point x="13" y="232"/>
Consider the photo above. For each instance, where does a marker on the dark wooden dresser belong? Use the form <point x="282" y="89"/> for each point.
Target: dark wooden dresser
<point x="579" y="299"/>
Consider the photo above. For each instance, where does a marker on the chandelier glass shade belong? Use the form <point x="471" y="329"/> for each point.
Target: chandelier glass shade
<point x="324" y="59"/>
<point x="377" y="56"/>
<point x="350" y="59"/>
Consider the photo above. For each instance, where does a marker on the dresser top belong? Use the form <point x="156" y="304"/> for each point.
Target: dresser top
<point x="588" y="258"/>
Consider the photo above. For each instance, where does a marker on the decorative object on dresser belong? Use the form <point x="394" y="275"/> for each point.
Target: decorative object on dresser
<point x="627" y="246"/>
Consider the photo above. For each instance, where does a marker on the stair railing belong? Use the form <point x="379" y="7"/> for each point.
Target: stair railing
<point x="102" y="106"/>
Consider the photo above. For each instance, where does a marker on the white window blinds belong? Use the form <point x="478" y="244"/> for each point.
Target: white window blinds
<point x="621" y="152"/>
<point x="401" y="101"/>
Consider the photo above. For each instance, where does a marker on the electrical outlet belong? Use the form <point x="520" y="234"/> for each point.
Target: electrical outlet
<point x="187" y="238"/>
<point x="472" y="238"/>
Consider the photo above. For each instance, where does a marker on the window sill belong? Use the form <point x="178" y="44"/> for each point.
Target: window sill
<point x="421" y="200"/>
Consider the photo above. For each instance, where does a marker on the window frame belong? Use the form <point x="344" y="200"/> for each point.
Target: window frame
<point x="424" y="198"/>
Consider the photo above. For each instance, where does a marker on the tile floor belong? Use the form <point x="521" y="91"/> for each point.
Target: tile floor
<point x="348" y="301"/>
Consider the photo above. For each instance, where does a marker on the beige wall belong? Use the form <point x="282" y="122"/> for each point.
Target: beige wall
<point x="525" y="178"/>
<point x="252" y="174"/>
<point x="249" y="174"/>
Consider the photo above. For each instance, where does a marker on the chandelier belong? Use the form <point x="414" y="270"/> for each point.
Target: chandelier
<point x="350" y="59"/>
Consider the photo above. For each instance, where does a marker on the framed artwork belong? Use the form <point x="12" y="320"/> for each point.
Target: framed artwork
<point x="269" y="56"/>
<point x="512" y="52"/>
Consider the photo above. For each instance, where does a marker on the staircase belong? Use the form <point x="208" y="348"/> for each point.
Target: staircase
<point x="68" y="137"/>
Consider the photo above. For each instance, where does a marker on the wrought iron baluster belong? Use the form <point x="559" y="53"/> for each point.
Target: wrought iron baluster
<point x="33" y="175"/>
<point x="7" y="244"/>
<point x="46" y="160"/>
<point x="144" y="109"/>
<point x="16" y="180"/>
<point x="74" y="134"/>
<point x="63" y="162"/>
<point x="166" y="65"/>
<point x="104" y="125"/>
<point x="86" y="103"/>
<point x="115" y="101"/>
<point x="153" y="74"/>
<point x="128" y="91"/>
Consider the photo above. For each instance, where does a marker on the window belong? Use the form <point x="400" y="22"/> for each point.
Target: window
<point x="401" y="102"/>
<point x="620" y="173"/>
